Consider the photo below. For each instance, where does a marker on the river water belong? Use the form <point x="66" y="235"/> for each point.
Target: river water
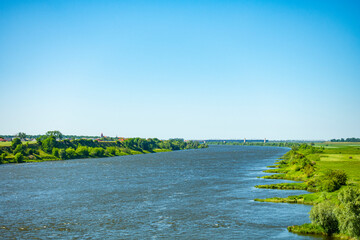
<point x="190" y="194"/>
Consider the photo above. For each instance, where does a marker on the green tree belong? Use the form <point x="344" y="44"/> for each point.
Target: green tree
<point x="55" y="152"/>
<point x="62" y="154"/>
<point x="21" y="135"/>
<point x="332" y="180"/>
<point x="15" y="142"/>
<point x="70" y="153"/>
<point x="19" y="158"/>
<point x="48" y="144"/>
<point x="82" y="151"/>
<point x="111" y="150"/>
<point x="97" y="152"/>
<point x="349" y="211"/>
<point x="323" y="214"/>
<point x="2" y="157"/>
<point x="55" y="134"/>
<point x="19" y="149"/>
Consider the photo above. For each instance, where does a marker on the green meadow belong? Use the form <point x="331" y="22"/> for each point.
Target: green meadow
<point x="328" y="170"/>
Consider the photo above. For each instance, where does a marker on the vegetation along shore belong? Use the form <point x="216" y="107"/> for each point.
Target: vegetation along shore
<point x="330" y="171"/>
<point x="52" y="146"/>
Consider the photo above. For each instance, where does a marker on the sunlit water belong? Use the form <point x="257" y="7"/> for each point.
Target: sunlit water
<point x="192" y="194"/>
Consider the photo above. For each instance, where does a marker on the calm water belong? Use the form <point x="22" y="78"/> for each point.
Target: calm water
<point x="192" y="194"/>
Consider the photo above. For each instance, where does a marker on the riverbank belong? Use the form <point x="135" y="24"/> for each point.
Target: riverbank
<point x="327" y="170"/>
<point x="48" y="148"/>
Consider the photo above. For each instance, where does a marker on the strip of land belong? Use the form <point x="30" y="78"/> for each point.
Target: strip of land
<point x="50" y="148"/>
<point x="328" y="170"/>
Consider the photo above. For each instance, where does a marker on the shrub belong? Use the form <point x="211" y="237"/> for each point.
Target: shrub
<point x="332" y="180"/>
<point x="70" y="153"/>
<point x="111" y="150"/>
<point x="2" y="157"/>
<point x="19" y="158"/>
<point x="126" y="150"/>
<point x="308" y="170"/>
<point x="349" y="211"/>
<point x="82" y="151"/>
<point x="48" y="144"/>
<point x="29" y="151"/>
<point x="55" y="152"/>
<point x="15" y="143"/>
<point x="19" y="149"/>
<point x="97" y="152"/>
<point x="323" y="214"/>
<point x="62" y="154"/>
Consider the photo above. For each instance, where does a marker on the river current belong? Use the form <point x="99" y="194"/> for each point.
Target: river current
<point x="189" y="194"/>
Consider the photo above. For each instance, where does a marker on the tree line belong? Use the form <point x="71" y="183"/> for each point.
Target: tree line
<point x="51" y="146"/>
<point x="346" y="140"/>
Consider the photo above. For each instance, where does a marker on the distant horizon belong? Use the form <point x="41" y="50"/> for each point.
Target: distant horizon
<point x="199" y="70"/>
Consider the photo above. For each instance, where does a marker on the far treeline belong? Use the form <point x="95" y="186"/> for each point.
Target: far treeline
<point x="346" y="140"/>
<point x="51" y="147"/>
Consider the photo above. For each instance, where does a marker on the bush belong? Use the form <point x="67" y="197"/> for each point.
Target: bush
<point x="323" y="214"/>
<point x="82" y="151"/>
<point x="97" y="152"/>
<point x="55" y="152"/>
<point x="332" y="180"/>
<point x="2" y="157"/>
<point x="70" y="153"/>
<point x="15" y="143"/>
<point x="349" y="211"/>
<point x="19" y="149"/>
<point x="29" y="151"/>
<point x="62" y="154"/>
<point x="19" y="158"/>
<point x="111" y="150"/>
<point x="48" y="144"/>
<point x="126" y="150"/>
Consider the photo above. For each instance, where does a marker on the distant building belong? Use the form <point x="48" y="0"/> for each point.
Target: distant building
<point x="102" y="135"/>
<point x="2" y="140"/>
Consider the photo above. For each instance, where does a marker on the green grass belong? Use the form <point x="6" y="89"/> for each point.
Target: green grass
<point x="288" y="186"/>
<point x="276" y="171"/>
<point x="8" y="144"/>
<point x="342" y="162"/>
<point x="342" y="157"/>
<point x="337" y="144"/>
<point x="161" y="150"/>
<point x="308" y="198"/>
<point x="312" y="229"/>
<point x="5" y="144"/>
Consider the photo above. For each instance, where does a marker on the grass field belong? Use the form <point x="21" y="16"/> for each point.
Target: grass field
<point x="350" y="163"/>
<point x="337" y="144"/>
<point x="8" y="144"/>
<point x="5" y="144"/>
<point x="335" y="156"/>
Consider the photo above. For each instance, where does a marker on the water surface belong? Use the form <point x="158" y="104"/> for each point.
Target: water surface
<point x="191" y="194"/>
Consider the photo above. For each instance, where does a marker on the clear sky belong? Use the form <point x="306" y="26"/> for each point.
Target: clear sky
<point x="285" y="69"/>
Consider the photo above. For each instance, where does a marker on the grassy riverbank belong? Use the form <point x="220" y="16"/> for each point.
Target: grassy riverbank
<point x="328" y="170"/>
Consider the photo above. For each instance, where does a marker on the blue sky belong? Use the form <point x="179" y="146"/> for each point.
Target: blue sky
<point x="191" y="69"/>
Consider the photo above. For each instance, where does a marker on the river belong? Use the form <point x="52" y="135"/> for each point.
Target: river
<point x="189" y="194"/>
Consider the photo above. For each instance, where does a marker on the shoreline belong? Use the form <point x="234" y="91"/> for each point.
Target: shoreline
<point x="48" y="148"/>
<point x="311" y="174"/>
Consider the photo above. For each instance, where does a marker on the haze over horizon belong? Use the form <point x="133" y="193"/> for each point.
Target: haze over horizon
<point x="191" y="69"/>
